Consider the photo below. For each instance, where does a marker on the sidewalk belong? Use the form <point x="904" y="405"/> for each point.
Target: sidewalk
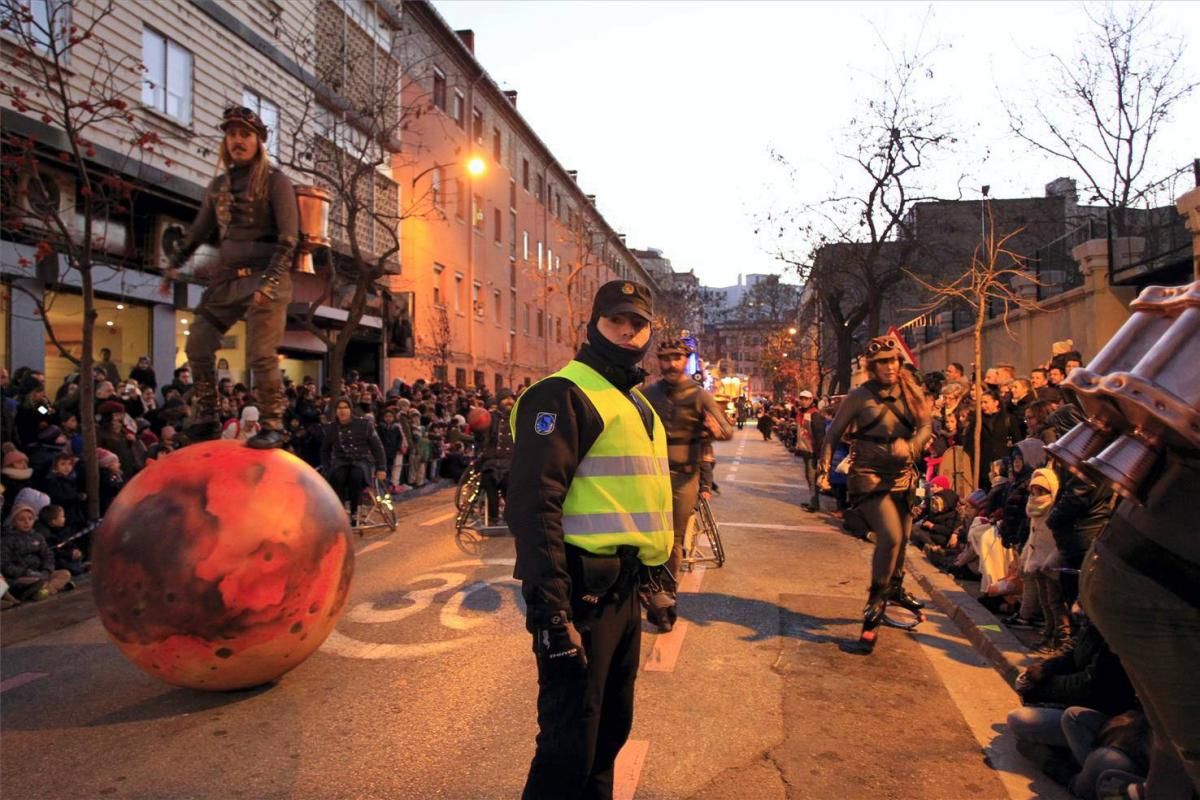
<point x="30" y="620"/>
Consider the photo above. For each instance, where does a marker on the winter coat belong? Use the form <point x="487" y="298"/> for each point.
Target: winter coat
<point x="65" y="492"/>
<point x="996" y="433"/>
<point x="1014" y="522"/>
<point x="943" y="513"/>
<point x="353" y="443"/>
<point x="24" y="553"/>
<point x="1089" y="675"/>
<point x="1080" y="513"/>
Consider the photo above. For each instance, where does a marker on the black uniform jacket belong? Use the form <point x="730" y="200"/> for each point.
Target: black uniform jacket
<point x="543" y="464"/>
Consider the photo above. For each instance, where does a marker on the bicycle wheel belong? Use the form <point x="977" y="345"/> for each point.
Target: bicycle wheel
<point x="711" y="532"/>
<point x="471" y="512"/>
<point x="467" y="482"/>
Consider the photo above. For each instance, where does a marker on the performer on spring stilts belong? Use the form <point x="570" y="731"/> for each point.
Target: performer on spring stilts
<point x="890" y="427"/>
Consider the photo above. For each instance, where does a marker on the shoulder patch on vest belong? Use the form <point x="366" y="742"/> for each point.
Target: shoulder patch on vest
<point x="543" y="423"/>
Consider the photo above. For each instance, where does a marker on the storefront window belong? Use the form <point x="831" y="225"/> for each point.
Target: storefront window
<point x="231" y="357"/>
<point x="121" y="326"/>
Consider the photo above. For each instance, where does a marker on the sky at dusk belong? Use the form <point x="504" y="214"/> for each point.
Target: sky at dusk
<point x="670" y="110"/>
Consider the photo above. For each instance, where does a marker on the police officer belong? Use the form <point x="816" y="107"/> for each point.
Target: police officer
<point x="589" y="503"/>
<point x="691" y="417"/>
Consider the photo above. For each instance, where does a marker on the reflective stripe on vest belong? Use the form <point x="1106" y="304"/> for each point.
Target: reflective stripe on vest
<point x="621" y="491"/>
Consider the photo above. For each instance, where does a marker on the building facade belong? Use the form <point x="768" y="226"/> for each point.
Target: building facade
<point x="483" y="279"/>
<point x="502" y="250"/>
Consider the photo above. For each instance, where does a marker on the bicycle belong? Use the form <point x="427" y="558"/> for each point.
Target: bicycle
<point x="702" y="544"/>
<point x="377" y="509"/>
<point x="472" y="508"/>
<point x="468" y="484"/>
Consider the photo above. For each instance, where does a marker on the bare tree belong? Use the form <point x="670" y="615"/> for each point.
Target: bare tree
<point x="993" y="282"/>
<point x="343" y="132"/>
<point x="855" y="243"/>
<point x="436" y="348"/>
<point x="76" y="97"/>
<point x="581" y="248"/>
<point x="1103" y="110"/>
<point x="770" y="301"/>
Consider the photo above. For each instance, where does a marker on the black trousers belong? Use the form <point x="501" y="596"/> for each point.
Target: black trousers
<point x="583" y="722"/>
<point x="348" y="481"/>
<point x="495" y="484"/>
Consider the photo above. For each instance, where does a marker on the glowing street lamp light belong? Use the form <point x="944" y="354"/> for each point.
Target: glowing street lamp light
<point x="476" y="166"/>
<point x="791" y="331"/>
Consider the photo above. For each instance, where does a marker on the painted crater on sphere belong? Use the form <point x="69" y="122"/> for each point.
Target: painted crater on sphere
<point x="222" y="567"/>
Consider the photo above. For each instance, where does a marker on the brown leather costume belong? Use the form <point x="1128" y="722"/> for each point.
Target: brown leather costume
<point x="885" y="442"/>
<point x="889" y="431"/>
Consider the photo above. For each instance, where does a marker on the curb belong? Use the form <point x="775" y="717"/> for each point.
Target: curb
<point x="30" y="620"/>
<point x="995" y="642"/>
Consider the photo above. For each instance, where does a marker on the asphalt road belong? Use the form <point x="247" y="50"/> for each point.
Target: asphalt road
<point x="427" y="688"/>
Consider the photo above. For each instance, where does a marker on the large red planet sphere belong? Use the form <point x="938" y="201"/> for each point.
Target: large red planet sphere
<point x="222" y="567"/>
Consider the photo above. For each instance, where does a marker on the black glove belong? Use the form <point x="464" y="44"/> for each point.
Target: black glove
<point x="280" y="266"/>
<point x="559" y="650"/>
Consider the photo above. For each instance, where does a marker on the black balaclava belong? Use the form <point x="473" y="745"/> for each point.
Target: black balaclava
<point x="623" y="370"/>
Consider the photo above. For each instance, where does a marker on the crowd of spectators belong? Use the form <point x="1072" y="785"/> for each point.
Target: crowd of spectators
<point x="420" y="429"/>
<point x="1021" y="530"/>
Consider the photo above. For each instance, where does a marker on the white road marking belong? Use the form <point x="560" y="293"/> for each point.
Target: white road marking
<point x="438" y="519"/>
<point x="372" y="547"/>
<point x="774" y="527"/>
<point x="21" y="679"/>
<point x="764" y="483"/>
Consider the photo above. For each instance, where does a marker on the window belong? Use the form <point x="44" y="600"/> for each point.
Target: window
<point x="435" y="188"/>
<point x="459" y="110"/>
<point x="477" y="125"/>
<point x="512" y="235"/>
<point x="460" y="377"/>
<point x="268" y="112"/>
<point x="512" y="274"/>
<point x="439" y="88"/>
<point x="512" y="311"/>
<point x="498" y="380"/>
<point x="558" y="264"/>
<point x="479" y="384"/>
<point x="512" y="195"/>
<point x="525" y="245"/>
<point x="541" y="324"/>
<point x="558" y="330"/>
<point x="438" y="299"/>
<point x="540" y="184"/>
<point x="549" y="259"/>
<point x="460" y="286"/>
<point x="497" y="305"/>
<point x="477" y="299"/>
<point x="47" y="19"/>
<point x="477" y="211"/>
<point x="525" y="173"/>
<point x="496" y="149"/>
<point x="460" y="198"/>
<point x="539" y="255"/>
<point x="167" y="87"/>
<point x="527" y="319"/>
<point x="498" y="219"/>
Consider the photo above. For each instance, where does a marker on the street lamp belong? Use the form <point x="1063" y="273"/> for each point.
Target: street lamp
<point x="476" y="166"/>
<point x="791" y="331"/>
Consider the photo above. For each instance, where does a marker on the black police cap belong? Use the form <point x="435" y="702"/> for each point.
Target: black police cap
<point x="623" y="297"/>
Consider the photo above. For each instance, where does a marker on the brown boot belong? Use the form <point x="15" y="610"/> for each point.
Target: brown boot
<point x="206" y="423"/>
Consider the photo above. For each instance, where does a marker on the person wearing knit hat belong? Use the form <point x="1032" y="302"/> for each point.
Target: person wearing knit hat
<point x="1040" y="559"/>
<point x="939" y="515"/>
<point x="1062" y="348"/>
<point x="26" y="561"/>
<point x="29" y="497"/>
<point x="107" y="459"/>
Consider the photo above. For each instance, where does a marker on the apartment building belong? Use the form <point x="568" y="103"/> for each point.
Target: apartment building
<point x="502" y="250"/>
<point x="483" y="279"/>
<point x="282" y="59"/>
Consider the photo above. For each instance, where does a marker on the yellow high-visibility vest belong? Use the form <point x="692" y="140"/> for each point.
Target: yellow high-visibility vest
<point x="621" y="491"/>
